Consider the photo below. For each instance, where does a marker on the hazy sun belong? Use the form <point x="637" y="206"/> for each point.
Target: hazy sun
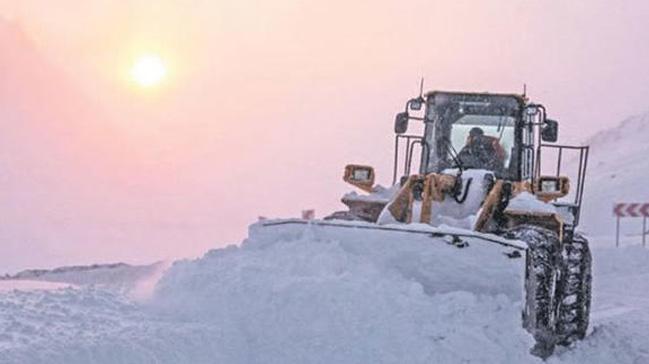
<point x="148" y="70"/>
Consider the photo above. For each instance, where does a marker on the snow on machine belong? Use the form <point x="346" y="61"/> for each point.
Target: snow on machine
<point x="481" y="179"/>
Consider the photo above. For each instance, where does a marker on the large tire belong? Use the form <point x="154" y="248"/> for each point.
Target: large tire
<point x="543" y="264"/>
<point x="574" y="309"/>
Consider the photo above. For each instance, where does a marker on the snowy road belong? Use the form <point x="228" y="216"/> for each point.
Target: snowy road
<point x="303" y="295"/>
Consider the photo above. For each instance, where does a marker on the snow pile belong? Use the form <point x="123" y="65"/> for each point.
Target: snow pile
<point x="324" y="294"/>
<point x="527" y="202"/>
<point x="449" y="212"/>
<point x="378" y="194"/>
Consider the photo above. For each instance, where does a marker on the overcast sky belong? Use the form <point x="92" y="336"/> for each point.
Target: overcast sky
<point x="265" y="102"/>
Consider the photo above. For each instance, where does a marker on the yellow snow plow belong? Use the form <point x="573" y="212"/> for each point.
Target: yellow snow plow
<point x="482" y="169"/>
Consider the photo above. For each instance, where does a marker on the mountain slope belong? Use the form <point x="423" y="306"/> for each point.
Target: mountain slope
<point x="618" y="171"/>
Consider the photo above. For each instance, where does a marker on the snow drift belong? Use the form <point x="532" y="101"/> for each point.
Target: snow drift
<point x="329" y="295"/>
<point x="136" y="281"/>
<point x="305" y="294"/>
<point x="294" y="294"/>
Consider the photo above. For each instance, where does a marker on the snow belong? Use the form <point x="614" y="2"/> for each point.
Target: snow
<point x="306" y="296"/>
<point x="308" y="293"/>
<point x="378" y="194"/>
<point x="449" y="212"/>
<point x="135" y="280"/>
<point x="526" y="201"/>
<point x="28" y="285"/>
<point x="564" y="210"/>
<point x="92" y="326"/>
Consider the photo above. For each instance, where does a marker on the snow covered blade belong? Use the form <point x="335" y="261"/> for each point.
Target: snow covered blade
<point x="419" y="229"/>
<point x="456" y="259"/>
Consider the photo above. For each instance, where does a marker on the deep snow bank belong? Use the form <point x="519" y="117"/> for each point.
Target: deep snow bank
<point x="304" y="294"/>
<point x="296" y="294"/>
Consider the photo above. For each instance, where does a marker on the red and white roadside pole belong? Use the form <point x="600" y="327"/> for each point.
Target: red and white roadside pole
<point x="644" y="231"/>
<point x="621" y="210"/>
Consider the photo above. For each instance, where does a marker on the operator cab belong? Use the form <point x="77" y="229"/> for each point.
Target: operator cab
<point x="484" y="137"/>
<point x="472" y="131"/>
<point x="498" y="134"/>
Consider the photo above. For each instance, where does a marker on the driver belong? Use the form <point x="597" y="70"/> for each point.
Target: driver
<point x="482" y="151"/>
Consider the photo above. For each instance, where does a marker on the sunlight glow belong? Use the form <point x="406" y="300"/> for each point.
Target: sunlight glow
<point x="148" y="70"/>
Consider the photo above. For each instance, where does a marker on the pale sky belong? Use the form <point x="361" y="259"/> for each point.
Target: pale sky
<point x="264" y="104"/>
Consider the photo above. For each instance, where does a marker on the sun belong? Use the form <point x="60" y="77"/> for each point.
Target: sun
<point x="148" y="70"/>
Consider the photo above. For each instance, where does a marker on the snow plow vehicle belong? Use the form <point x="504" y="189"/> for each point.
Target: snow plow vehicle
<point x="483" y="171"/>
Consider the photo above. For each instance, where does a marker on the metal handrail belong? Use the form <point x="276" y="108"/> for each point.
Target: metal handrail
<point x="581" y="170"/>
<point x="410" y="140"/>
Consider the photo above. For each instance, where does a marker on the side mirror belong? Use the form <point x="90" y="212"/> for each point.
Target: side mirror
<point x="401" y="122"/>
<point x="359" y="176"/>
<point x="551" y="187"/>
<point x="550" y="131"/>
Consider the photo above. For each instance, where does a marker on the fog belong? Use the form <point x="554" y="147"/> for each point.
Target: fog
<point x="264" y="105"/>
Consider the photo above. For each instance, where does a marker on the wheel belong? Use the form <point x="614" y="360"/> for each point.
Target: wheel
<point x="542" y="270"/>
<point x="574" y="309"/>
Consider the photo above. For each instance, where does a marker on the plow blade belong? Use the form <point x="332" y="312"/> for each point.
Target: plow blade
<point x="440" y="259"/>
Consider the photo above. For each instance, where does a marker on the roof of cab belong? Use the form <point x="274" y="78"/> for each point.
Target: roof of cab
<point x="522" y="99"/>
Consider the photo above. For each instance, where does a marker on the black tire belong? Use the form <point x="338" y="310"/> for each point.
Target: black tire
<point x="543" y="263"/>
<point x="574" y="309"/>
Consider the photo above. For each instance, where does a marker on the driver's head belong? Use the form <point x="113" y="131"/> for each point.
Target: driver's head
<point x="476" y="132"/>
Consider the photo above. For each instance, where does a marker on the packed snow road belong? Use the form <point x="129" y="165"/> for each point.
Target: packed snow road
<point x="309" y="294"/>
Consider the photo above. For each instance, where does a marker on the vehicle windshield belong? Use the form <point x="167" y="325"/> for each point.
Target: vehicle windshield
<point x="483" y="141"/>
<point x="471" y="132"/>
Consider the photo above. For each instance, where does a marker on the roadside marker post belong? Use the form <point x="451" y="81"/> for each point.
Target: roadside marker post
<point x="624" y="209"/>
<point x="644" y="211"/>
